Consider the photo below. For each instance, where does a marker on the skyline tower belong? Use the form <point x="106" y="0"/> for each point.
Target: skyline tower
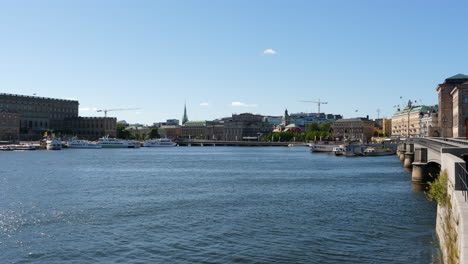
<point x="185" y="117"/>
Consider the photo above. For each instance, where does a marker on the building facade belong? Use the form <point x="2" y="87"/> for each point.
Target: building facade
<point x="408" y="122"/>
<point x="360" y="129"/>
<point x="9" y="126"/>
<point x="38" y="114"/>
<point x="91" y="128"/>
<point x="245" y="126"/>
<point x="453" y="106"/>
<point x="171" y="131"/>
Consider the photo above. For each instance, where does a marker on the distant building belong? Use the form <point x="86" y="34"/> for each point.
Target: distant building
<point x="169" y="122"/>
<point x="38" y="114"/>
<point x="273" y="120"/>
<point x="407" y="122"/>
<point x="453" y="106"/>
<point x="303" y="119"/>
<point x="245" y="126"/>
<point x="195" y="129"/>
<point x="387" y="126"/>
<point x="9" y="126"/>
<point x="91" y="128"/>
<point x="171" y="132"/>
<point x="429" y="123"/>
<point x="360" y="128"/>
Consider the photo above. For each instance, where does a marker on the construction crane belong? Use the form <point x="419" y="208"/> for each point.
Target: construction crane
<point x="112" y="110"/>
<point x="318" y="105"/>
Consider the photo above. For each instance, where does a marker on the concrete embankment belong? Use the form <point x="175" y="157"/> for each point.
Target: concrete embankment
<point x="452" y="218"/>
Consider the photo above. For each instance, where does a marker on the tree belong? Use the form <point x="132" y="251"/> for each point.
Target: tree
<point x="122" y="132"/>
<point x="314" y="126"/>
<point x="325" y="126"/>
<point x="153" y="133"/>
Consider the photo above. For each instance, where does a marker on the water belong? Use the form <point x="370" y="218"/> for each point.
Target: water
<point x="210" y="205"/>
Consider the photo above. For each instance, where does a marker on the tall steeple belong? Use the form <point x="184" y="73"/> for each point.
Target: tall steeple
<point x="185" y="118"/>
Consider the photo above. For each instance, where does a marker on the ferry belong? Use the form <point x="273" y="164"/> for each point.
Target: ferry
<point x="107" y="142"/>
<point x="23" y="147"/>
<point x="160" y="142"/>
<point x="54" y="144"/>
<point x="314" y="147"/>
<point x="82" y="144"/>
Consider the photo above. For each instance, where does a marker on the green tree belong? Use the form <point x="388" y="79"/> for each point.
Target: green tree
<point x="325" y="126"/>
<point x="314" y="126"/>
<point x="153" y="133"/>
<point x="122" y="132"/>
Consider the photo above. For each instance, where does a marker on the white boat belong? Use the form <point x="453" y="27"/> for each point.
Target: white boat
<point x="107" y="142"/>
<point x="82" y="144"/>
<point x="160" y="142"/>
<point x="54" y="144"/>
<point x="22" y="147"/>
<point x="314" y="147"/>
<point x="6" y="148"/>
<point x="381" y="152"/>
<point x="339" y="151"/>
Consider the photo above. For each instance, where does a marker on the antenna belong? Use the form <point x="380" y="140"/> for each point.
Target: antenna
<point x="378" y="113"/>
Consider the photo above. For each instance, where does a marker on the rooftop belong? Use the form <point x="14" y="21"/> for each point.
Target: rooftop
<point x="36" y="97"/>
<point x="459" y="78"/>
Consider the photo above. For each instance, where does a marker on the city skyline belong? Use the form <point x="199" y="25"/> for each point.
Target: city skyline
<point x="231" y="57"/>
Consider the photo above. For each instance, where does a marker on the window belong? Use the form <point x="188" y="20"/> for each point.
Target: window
<point x="465" y="100"/>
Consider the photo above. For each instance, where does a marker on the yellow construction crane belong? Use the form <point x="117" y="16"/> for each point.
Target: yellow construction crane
<point x="112" y="110"/>
<point x="318" y="105"/>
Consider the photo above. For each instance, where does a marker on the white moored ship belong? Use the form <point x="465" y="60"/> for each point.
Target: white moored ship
<point x="82" y="144"/>
<point x="160" y="142"/>
<point x="54" y="144"/>
<point x="107" y="142"/>
<point x="314" y="147"/>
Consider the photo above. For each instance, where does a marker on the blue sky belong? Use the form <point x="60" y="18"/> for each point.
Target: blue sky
<point x="154" y="55"/>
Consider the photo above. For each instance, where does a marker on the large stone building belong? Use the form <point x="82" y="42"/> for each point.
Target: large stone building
<point x="245" y="126"/>
<point x="171" y="131"/>
<point x="453" y="106"/>
<point x="360" y="129"/>
<point x="408" y="121"/>
<point x="90" y="128"/>
<point x="9" y="126"/>
<point x="38" y="114"/>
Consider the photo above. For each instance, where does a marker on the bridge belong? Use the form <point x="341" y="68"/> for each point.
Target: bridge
<point x="203" y="142"/>
<point x="427" y="157"/>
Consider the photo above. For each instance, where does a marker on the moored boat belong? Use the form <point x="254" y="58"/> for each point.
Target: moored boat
<point x="160" y="142"/>
<point x="82" y="144"/>
<point x="339" y="151"/>
<point x="315" y="147"/>
<point x="54" y="144"/>
<point x="107" y="142"/>
<point x="372" y="152"/>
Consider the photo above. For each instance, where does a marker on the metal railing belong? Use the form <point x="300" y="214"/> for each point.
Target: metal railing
<point x="462" y="176"/>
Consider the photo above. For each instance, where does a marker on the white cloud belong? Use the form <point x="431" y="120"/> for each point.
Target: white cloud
<point x="88" y="109"/>
<point x="269" y="52"/>
<point x="243" y="104"/>
<point x="204" y="104"/>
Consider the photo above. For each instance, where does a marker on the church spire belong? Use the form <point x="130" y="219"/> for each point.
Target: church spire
<point x="185" y="118"/>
